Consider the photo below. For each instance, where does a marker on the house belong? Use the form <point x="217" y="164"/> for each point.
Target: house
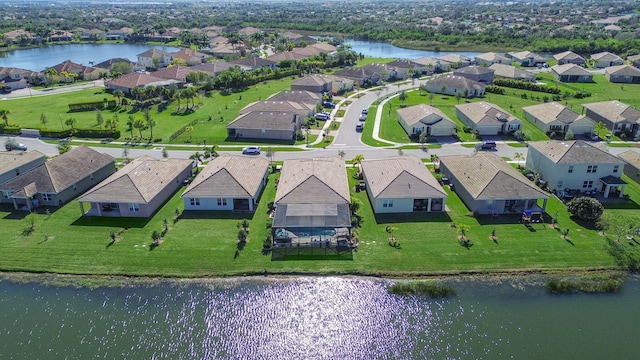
<point x="312" y="202"/>
<point x="618" y="117"/>
<point x="177" y="72"/>
<point x="489" y="185"/>
<point x="605" y="59"/>
<point x="303" y="97"/>
<point x="455" y="60"/>
<point x="300" y="109"/>
<point x="632" y="164"/>
<point x="286" y="56"/>
<point x="314" y="83"/>
<point x="315" y="49"/>
<point x="512" y="72"/>
<point x="569" y="57"/>
<point x="490" y="58"/>
<point x="476" y="73"/>
<point x="402" y="184"/>
<point x="17" y="78"/>
<point x="138" y="189"/>
<point x="425" y="118"/>
<point x="154" y="58"/>
<point x="487" y="118"/>
<point x="623" y="74"/>
<point x="127" y="82"/>
<point x="527" y="58"/>
<point x="576" y="165"/>
<point x="428" y="65"/>
<point x="405" y="68"/>
<point x="228" y="182"/>
<point x="14" y="163"/>
<point x="571" y="73"/>
<point x="58" y="180"/>
<point x="213" y="68"/>
<point x="555" y="117"/>
<point x="107" y="64"/>
<point x="368" y="75"/>
<point x="274" y="125"/>
<point x="253" y="62"/>
<point x="66" y="68"/>
<point x="189" y="56"/>
<point x="634" y="60"/>
<point x="452" y="85"/>
<point x="339" y="85"/>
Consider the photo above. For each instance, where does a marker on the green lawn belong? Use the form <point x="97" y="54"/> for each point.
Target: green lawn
<point x="205" y="244"/>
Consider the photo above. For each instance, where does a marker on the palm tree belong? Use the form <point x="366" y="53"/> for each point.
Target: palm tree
<point x="357" y="160"/>
<point x="430" y="98"/>
<point x="196" y="157"/>
<point x="130" y="123"/>
<point x="151" y="123"/>
<point x="518" y="156"/>
<point x="189" y="129"/>
<point x="139" y="124"/>
<point x="43" y="119"/>
<point x="71" y="122"/>
<point x="4" y="114"/>
<point x="118" y="94"/>
<point x="50" y="73"/>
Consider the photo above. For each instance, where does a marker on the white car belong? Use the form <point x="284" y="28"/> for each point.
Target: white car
<point x="251" y="150"/>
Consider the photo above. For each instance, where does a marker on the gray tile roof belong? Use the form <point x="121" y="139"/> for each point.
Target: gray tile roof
<point x="631" y="157"/>
<point x="486" y="176"/>
<point x="570" y="69"/>
<point x="62" y="171"/>
<point x="426" y="114"/>
<point x="458" y="82"/>
<point x="485" y="113"/>
<point x="13" y="159"/>
<point x="614" y="111"/>
<point x="622" y="70"/>
<point x="552" y="111"/>
<point x="138" y="182"/>
<point x="568" y="56"/>
<point x="272" y="120"/>
<point x="572" y="152"/>
<point x="401" y="177"/>
<point x="511" y="72"/>
<point x="229" y="176"/>
<point x="317" y="180"/>
<point x="313" y="80"/>
<point x="279" y="106"/>
<point x="473" y="70"/>
<point x="299" y="96"/>
<point x="607" y="56"/>
<point x="491" y="56"/>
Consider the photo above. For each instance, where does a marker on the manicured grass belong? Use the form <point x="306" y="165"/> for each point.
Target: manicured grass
<point x="205" y="244"/>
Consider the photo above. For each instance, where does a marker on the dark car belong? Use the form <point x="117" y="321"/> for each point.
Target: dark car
<point x="487" y="145"/>
<point x="328" y="104"/>
<point x="359" y="127"/>
<point x="15" y="146"/>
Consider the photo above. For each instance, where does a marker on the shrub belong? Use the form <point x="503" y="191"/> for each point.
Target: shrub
<point x="586" y="208"/>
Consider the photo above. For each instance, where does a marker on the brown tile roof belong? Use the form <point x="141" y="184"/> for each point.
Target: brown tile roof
<point x="552" y="111"/>
<point x="401" y="177"/>
<point x="287" y="55"/>
<point x="154" y="53"/>
<point x="62" y="171"/>
<point x="614" y="111"/>
<point x="133" y="80"/>
<point x="108" y="63"/>
<point x="631" y="157"/>
<point x="572" y="152"/>
<point x="13" y="159"/>
<point x="414" y="114"/>
<point x="229" y="176"/>
<point x="138" y="182"/>
<point x="486" y="176"/>
<point x="173" y="72"/>
<point x="313" y="181"/>
<point x="274" y="120"/>
<point x="485" y="113"/>
<point x="213" y="68"/>
<point x="253" y="62"/>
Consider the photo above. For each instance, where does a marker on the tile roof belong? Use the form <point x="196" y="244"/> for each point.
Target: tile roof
<point x="13" y="159"/>
<point x="212" y="68"/>
<point x="572" y="152"/>
<point x="401" y="177"/>
<point x="299" y="96"/>
<point x="273" y="120"/>
<point x="631" y="157"/>
<point x="485" y="113"/>
<point x="491" y="56"/>
<point x="473" y="70"/>
<point x="253" y="61"/>
<point x="138" y="182"/>
<point x="607" y="56"/>
<point x="614" y="111"/>
<point x="454" y="58"/>
<point x="173" y="72"/>
<point x="229" y="176"/>
<point x="458" y="82"/>
<point x="314" y="79"/>
<point x="133" y="80"/>
<point x="415" y="114"/>
<point x="570" y="69"/>
<point x="315" y="181"/>
<point x="622" y="70"/>
<point x="486" y="176"/>
<point x="568" y="56"/>
<point x="279" y="106"/>
<point x="62" y="171"/>
<point x="552" y="111"/>
<point x="510" y="71"/>
<point x="154" y="53"/>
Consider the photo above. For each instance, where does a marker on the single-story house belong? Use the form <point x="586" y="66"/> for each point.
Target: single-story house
<point x="490" y="58"/>
<point x="108" y="64"/>
<point x="154" y="58"/>
<point x="617" y="116"/>
<point x="405" y="68"/>
<point x="623" y="74"/>
<point x="555" y="117"/>
<point x="177" y="72"/>
<point x="253" y="62"/>
<point x="527" y="58"/>
<point x="138" y="189"/>
<point x="576" y="165"/>
<point x="58" y="180"/>
<point x="312" y="202"/>
<point x="632" y="164"/>
<point x="301" y="109"/>
<point x="14" y="163"/>
<point x="425" y="118"/>
<point x="189" y="56"/>
<point x="368" y="75"/>
<point x="66" y="68"/>
<point x="489" y="185"/>
<point x="402" y="184"/>
<point x="127" y="82"/>
<point x="314" y="83"/>
<point x="634" y="60"/>
<point x="428" y="65"/>
<point x="452" y="85"/>
<point x="606" y="59"/>
<point x="512" y="72"/>
<point x="213" y="68"/>
<point x="17" y="78"/>
<point x="228" y="182"/>
<point x="487" y="118"/>
<point x="298" y="96"/>
<point x="455" y="60"/>
<point x="571" y="73"/>
<point x="569" y="57"/>
<point x="476" y="73"/>
<point x="276" y="125"/>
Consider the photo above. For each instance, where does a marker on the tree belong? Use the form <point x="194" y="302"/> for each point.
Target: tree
<point x="569" y="135"/>
<point x="358" y="159"/>
<point x="4" y="114"/>
<point x="43" y="119"/>
<point x="402" y="97"/>
<point x="139" y="124"/>
<point x="10" y="144"/>
<point x="189" y="129"/>
<point x="50" y="74"/>
<point x="130" y="121"/>
<point x="431" y="98"/>
<point x="99" y="118"/>
<point x="422" y="138"/>
<point x="585" y="208"/>
<point x="599" y="128"/>
<point x="118" y="94"/>
<point x="341" y="153"/>
<point x="71" y="122"/>
<point x="463" y="229"/>
<point x="269" y="153"/>
<point x="518" y="156"/>
<point x="196" y="157"/>
<point x="458" y="97"/>
<point x="150" y="123"/>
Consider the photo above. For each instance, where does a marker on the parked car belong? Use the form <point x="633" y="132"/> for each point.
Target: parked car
<point x="486" y="145"/>
<point x="251" y="150"/>
<point x="362" y="117"/>
<point x="322" y="116"/>
<point x="359" y="127"/>
<point x="12" y="145"/>
<point x="365" y="111"/>
<point x="328" y="104"/>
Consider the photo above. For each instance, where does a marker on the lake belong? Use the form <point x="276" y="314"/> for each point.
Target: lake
<point x="314" y="318"/>
<point x="385" y="50"/>
<point x="38" y="59"/>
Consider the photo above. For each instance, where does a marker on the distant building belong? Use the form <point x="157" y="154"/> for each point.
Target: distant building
<point x="512" y="72"/>
<point x="569" y="57"/>
<point x="571" y="73"/>
<point x="487" y="118"/>
<point x="606" y="59"/>
<point x="490" y="58"/>
<point x="476" y="73"/>
<point x="452" y="85"/>
<point x="616" y="116"/>
<point x="623" y="74"/>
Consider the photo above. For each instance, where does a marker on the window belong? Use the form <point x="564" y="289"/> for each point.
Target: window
<point x="194" y="201"/>
<point x="222" y="202"/>
<point x="134" y="207"/>
<point x="46" y="197"/>
<point x="587" y="184"/>
<point x="592" y="168"/>
<point x="387" y="204"/>
<point x="570" y="169"/>
<point x="615" y="168"/>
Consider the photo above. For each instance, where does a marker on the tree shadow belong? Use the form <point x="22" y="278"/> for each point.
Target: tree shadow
<point x="414" y="217"/>
<point x="215" y="214"/>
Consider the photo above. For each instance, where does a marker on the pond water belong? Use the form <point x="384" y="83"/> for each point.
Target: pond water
<point x="37" y="59"/>
<point x="314" y="318"/>
<point x="386" y="50"/>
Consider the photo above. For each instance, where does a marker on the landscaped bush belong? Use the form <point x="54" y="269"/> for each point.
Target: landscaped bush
<point x="525" y="85"/>
<point x="97" y="133"/>
<point x="586" y="208"/>
<point x="58" y="134"/>
<point x="494" y="89"/>
<point x="91" y="106"/>
<point x="11" y="130"/>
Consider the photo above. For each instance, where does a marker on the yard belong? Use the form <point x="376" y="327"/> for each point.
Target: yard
<point x="205" y="244"/>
